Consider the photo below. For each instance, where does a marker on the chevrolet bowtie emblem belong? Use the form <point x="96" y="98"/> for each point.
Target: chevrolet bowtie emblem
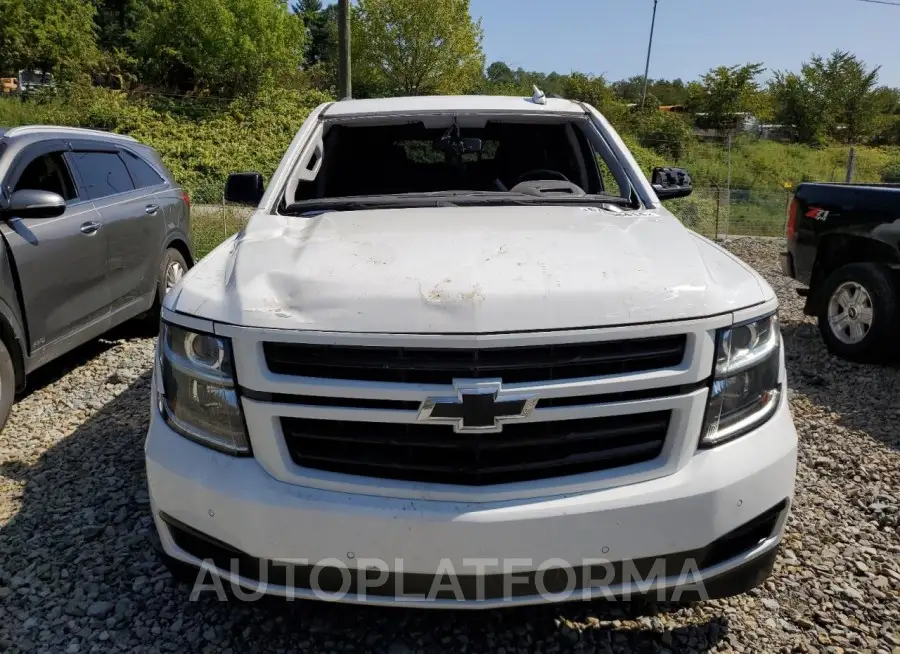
<point x="479" y="406"/>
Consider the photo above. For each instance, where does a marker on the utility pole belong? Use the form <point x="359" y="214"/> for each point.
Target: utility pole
<point x="851" y="165"/>
<point x="344" y="88"/>
<point x="649" y="48"/>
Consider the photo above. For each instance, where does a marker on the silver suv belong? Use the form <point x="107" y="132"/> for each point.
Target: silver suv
<point x="95" y="232"/>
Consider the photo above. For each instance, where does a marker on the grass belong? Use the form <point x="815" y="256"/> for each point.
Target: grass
<point x="210" y="225"/>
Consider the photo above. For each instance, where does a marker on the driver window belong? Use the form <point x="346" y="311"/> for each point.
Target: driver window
<point x="48" y="172"/>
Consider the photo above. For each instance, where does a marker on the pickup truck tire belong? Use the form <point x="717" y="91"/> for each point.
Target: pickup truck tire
<point x="859" y="312"/>
<point x="7" y="384"/>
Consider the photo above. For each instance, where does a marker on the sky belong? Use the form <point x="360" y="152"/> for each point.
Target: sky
<point x="609" y="37"/>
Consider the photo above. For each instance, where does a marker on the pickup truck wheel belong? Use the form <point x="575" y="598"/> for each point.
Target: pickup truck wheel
<point x="859" y="312"/>
<point x="7" y="384"/>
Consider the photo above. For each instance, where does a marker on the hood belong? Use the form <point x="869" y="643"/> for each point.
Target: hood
<point x="465" y="270"/>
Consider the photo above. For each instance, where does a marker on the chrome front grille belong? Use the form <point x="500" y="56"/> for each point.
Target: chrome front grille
<point x="352" y="410"/>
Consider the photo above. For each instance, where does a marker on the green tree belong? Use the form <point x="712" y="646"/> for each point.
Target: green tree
<point x="500" y="79"/>
<point x="57" y="36"/>
<point x="550" y="83"/>
<point x="725" y="92"/>
<point x="227" y="46"/>
<point x="833" y="98"/>
<point x="116" y="21"/>
<point x="412" y="47"/>
<point x="665" y="132"/>
<point x="798" y="104"/>
<point x="596" y="92"/>
<point x="593" y="90"/>
<point x="849" y="89"/>
<point x="887" y="100"/>
<point x="321" y="32"/>
<point x="667" y="92"/>
<point x="670" y="92"/>
<point x="500" y="73"/>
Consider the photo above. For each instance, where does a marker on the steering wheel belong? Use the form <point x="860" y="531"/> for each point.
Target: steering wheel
<point x="541" y="173"/>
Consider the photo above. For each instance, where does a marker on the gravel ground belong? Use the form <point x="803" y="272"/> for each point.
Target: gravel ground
<point x="77" y="573"/>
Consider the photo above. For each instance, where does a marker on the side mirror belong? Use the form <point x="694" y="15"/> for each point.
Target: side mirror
<point x="33" y="203"/>
<point x="244" y="188"/>
<point x="671" y="183"/>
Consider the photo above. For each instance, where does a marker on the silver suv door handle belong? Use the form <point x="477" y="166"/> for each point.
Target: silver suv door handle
<point x="90" y="228"/>
<point x="151" y="209"/>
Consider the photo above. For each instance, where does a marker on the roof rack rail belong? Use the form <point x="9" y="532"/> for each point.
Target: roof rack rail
<point x="40" y="129"/>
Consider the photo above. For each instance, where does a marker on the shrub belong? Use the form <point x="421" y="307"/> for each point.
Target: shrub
<point x="201" y="141"/>
<point x="891" y="173"/>
<point x="666" y="133"/>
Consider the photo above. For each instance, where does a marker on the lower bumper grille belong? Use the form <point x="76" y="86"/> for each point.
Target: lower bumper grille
<point x="412" y="586"/>
<point x="435" y="453"/>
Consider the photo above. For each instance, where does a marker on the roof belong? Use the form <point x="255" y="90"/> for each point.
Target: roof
<point x="451" y="103"/>
<point x="58" y="130"/>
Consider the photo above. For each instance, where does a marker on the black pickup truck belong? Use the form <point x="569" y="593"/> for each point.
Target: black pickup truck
<point x="843" y="243"/>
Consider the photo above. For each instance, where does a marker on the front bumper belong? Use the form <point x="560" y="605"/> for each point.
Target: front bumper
<point x="680" y="532"/>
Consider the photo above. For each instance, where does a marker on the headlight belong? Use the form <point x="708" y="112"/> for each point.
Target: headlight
<point x="745" y="387"/>
<point x="197" y="395"/>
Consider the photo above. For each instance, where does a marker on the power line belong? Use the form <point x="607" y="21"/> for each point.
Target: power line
<point x="882" y="2"/>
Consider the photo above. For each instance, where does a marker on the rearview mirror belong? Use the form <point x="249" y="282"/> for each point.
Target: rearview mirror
<point x="245" y="188"/>
<point x="670" y="183"/>
<point x="34" y="203"/>
<point x="459" y="146"/>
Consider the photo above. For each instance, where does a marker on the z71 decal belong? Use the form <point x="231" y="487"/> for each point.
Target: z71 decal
<point x="817" y="214"/>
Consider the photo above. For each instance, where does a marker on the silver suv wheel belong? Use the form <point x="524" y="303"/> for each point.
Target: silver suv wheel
<point x="174" y="273"/>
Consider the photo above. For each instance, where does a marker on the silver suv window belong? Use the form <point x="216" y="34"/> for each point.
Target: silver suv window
<point x="103" y="173"/>
<point x="141" y="172"/>
<point x="48" y="172"/>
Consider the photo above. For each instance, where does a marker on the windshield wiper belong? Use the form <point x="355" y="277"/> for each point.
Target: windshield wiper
<point x="447" y="199"/>
<point x="362" y="202"/>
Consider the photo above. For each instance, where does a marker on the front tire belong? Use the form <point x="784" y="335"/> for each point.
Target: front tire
<point x="859" y="312"/>
<point x="171" y="270"/>
<point x="7" y="384"/>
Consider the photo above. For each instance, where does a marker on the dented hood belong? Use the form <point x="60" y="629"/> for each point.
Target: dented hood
<point x="465" y="270"/>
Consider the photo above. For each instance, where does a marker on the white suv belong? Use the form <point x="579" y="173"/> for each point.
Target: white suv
<point x="461" y="356"/>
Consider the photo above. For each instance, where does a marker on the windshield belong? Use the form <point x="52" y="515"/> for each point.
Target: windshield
<point x="499" y="162"/>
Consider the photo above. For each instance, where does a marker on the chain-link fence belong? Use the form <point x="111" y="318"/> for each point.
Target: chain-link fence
<point x="719" y="213"/>
<point x="211" y="224"/>
<point x="747" y="161"/>
<point x="743" y="183"/>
